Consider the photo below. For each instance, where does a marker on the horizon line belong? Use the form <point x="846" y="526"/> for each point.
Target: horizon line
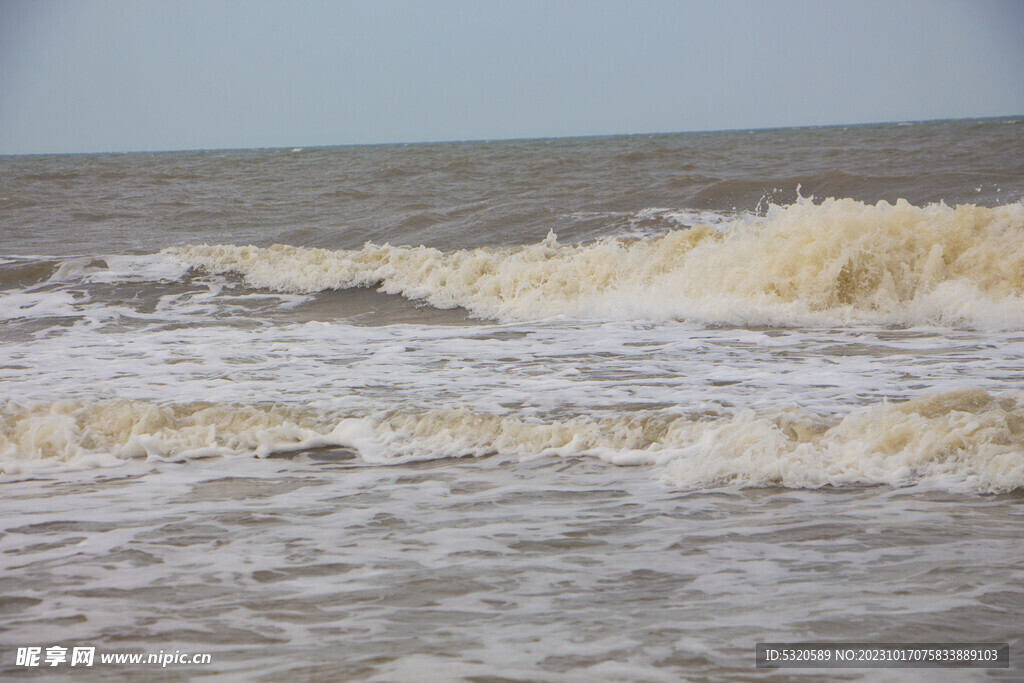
<point x="297" y="148"/>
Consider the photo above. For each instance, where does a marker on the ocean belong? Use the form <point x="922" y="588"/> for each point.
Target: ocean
<point x="590" y="409"/>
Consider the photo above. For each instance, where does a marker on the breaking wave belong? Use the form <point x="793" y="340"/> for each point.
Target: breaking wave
<point x="837" y="261"/>
<point x="968" y="440"/>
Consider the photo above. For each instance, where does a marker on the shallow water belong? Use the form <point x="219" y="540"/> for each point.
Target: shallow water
<point x="320" y="568"/>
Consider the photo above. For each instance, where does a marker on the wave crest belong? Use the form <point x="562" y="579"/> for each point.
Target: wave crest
<point x="968" y="440"/>
<point x="87" y="433"/>
<point x="839" y="260"/>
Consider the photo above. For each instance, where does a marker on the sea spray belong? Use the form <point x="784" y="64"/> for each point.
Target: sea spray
<point x="960" y="440"/>
<point x="839" y="261"/>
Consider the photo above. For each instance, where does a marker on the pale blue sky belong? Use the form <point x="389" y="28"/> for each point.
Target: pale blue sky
<point x="119" y="75"/>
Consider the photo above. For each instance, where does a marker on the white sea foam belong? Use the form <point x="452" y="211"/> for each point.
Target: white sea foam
<point x="960" y="440"/>
<point x="968" y="440"/>
<point x="111" y="268"/>
<point x="835" y="262"/>
<point x="686" y="218"/>
<point x="87" y="433"/>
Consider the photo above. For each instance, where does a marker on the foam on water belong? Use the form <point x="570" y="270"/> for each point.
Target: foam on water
<point x="104" y="432"/>
<point x="838" y="261"/>
<point x="48" y="270"/>
<point x="673" y="431"/>
<point x="966" y="440"/>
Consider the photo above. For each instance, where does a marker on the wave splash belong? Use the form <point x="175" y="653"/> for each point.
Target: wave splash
<point x="968" y="440"/>
<point x="100" y="433"/>
<point x="837" y="261"/>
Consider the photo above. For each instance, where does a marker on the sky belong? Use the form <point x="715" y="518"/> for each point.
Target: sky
<point x="135" y="75"/>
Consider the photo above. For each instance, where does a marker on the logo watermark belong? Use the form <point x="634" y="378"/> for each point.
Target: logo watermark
<point x="84" y="656"/>
<point x="882" y="655"/>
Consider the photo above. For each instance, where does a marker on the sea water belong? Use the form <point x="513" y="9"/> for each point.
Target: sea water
<point x="570" y="410"/>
